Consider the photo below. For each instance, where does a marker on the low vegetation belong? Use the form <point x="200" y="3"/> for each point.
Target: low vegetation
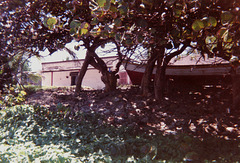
<point x="39" y="134"/>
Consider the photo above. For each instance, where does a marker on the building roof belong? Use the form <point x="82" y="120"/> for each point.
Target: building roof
<point x="72" y="65"/>
<point x="76" y="60"/>
<point x="196" y="59"/>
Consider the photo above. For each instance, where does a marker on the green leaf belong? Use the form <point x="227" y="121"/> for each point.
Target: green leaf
<point x="221" y="32"/>
<point x="75" y="24"/>
<point x="123" y="10"/>
<point x="101" y="3"/>
<point x="177" y="13"/>
<point x="107" y="5"/>
<point x="45" y="22"/>
<point x="211" y="42"/>
<point x="212" y="22"/>
<point x="84" y="28"/>
<point x="129" y="41"/>
<point x="209" y="22"/>
<point x="72" y="31"/>
<point x="95" y="32"/>
<point x="118" y="37"/>
<point x="113" y="9"/>
<point x="99" y="31"/>
<point x="226" y="37"/>
<point x="197" y="25"/>
<point x="61" y="159"/>
<point x="107" y="28"/>
<point x="98" y="12"/>
<point x="83" y="31"/>
<point x="226" y="18"/>
<point x="85" y="25"/>
<point x="94" y="21"/>
<point x="51" y="22"/>
<point x="117" y="22"/>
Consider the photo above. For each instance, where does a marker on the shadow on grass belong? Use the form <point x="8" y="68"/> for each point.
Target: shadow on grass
<point x="88" y="137"/>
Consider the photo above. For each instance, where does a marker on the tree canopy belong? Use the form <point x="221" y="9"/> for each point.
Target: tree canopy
<point x="211" y="27"/>
<point x="165" y="28"/>
<point x="36" y="25"/>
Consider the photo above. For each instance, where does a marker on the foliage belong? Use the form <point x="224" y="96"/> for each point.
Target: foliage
<point x="12" y="96"/>
<point x="166" y="27"/>
<point x="22" y="20"/>
<point x="166" y="24"/>
<point x="22" y="35"/>
<point x="30" y="89"/>
<point x="31" y="134"/>
<point x="211" y="27"/>
<point x="20" y="65"/>
<point x="5" y="73"/>
<point x="216" y="31"/>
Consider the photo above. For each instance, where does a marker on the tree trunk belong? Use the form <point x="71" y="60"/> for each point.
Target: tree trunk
<point x="110" y="81"/>
<point x="82" y="73"/>
<point x="146" y="80"/>
<point x="160" y="79"/>
<point x="108" y="78"/>
<point x="235" y="90"/>
<point x="162" y="62"/>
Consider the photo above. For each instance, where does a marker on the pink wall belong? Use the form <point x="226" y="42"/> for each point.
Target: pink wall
<point x="58" y="73"/>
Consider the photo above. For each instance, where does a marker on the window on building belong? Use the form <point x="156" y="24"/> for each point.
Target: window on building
<point x="73" y="77"/>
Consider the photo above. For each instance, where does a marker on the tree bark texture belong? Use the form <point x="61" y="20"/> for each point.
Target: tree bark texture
<point x="146" y="80"/>
<point x="160" y="78"/>
<point x="110" y="81"/>
<point x="108" y="78"/>
<point x="82" y="73"/>
<point x="162" y="63"/>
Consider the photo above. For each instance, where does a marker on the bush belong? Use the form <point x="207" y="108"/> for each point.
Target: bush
<point x="30" y="89"/>
<point x="12" y="95"/>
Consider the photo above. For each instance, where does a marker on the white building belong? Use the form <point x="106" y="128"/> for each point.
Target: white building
<point x="64" y="73"/>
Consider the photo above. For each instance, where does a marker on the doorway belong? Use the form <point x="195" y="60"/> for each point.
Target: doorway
<point x="73" y="77"/>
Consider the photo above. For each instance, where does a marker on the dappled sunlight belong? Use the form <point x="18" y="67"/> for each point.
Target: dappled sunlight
<point x="179" y="122"/>
<point x="171" y="116"/>
<point x="64" y="139"/>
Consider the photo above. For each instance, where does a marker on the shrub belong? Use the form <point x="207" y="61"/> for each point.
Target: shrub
<point x="30" y="89"/>
<point x="12" y="95"/>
